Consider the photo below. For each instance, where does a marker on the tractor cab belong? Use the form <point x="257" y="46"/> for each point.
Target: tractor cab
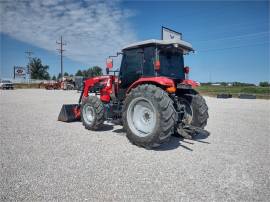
<point x="152" y="58"/>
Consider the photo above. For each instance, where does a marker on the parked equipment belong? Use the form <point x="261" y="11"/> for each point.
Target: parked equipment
<point x="246" y="96"/>
<point x="56" y="85"/>
<point x="224" y="95"/>
<point x="151" y="96"/>
<point x="78" y="80"/>
<point x="68" y="83"/>
<point x="6" y="84"/>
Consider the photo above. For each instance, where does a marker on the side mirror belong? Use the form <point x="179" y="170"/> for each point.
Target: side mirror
<point x="109" y="63"/>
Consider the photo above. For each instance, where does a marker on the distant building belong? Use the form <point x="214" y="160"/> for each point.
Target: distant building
<point x="215" y="84"/>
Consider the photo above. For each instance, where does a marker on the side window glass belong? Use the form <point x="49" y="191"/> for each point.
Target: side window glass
<point x="148" y="69"/>
<point x="133" y="60"/>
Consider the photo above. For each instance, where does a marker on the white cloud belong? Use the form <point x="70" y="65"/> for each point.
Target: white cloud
<point x="92" y="29"/>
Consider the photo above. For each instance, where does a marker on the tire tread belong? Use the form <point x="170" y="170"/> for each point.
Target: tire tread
<point x="164" y="107"/>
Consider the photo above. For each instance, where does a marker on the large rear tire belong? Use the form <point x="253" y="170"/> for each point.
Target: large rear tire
<point x="149" y="116"/>
<point x="196" y="110"/>
<point x="92" y="113"/>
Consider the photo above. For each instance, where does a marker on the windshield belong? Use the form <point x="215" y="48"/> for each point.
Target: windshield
<point x="171" y="63"/>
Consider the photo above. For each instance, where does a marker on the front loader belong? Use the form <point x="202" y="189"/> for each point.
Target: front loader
<point x="151" y="96"/>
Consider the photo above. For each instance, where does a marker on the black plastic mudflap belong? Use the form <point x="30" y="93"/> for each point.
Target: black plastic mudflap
<point x="70" y="113"/>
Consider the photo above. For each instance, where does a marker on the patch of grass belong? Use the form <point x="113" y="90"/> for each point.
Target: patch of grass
<point x="260" y="92"/>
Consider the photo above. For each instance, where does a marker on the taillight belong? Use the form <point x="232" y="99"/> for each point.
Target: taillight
<point x="186" y="70"/>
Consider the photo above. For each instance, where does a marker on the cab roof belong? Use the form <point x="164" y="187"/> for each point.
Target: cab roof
<point x="183" y="44"/>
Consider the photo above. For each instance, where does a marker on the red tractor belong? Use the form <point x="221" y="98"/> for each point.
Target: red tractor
<point x="151" y="96"/>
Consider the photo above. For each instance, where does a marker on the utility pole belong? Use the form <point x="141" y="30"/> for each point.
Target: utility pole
<point x="61" y="50"/>
<point x="28" y="55"/>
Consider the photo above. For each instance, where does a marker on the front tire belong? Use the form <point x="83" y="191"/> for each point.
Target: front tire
<point x="92" y="113"/>
<point x="149" y="116"/>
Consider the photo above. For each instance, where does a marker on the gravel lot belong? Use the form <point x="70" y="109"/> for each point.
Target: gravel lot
<point x="43" y="159"/>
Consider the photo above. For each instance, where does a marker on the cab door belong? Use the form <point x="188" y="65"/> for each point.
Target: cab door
<point x="131" y="69"/>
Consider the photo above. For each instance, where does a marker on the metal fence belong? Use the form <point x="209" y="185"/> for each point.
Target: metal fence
<point x="30" y="81"/>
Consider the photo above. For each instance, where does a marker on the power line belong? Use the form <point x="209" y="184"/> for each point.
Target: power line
<point x="61" y="50"/>
<point x="220" y="49"/>
<point x="235" y="37"/>
<point x="224" y="28"/>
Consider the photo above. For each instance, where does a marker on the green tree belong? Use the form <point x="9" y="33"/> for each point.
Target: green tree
<point x="66" y="74"/>
<point x="96" y="71"/>
<point x="85" y="73"/>
<point x="242" y="84"/>
<point x="54" y="78"/>
<point x="264" y="84"/>
<point x="79" y="73"/>
<point x="90" y="72"/>
<point x="38" y="70"/>
<point x="59" y="76"/>
<point x="223" y="83"/>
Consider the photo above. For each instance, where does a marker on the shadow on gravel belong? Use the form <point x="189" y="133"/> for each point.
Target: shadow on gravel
<point x="120" y="131"/>
<point x="174" y="142"/>
<point x="70" y="122"/>
<point x="105" y="127"/>
<point x="200" y="136"/>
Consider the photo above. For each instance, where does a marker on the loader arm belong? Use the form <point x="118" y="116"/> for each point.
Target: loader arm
<point x="101" y="85"/>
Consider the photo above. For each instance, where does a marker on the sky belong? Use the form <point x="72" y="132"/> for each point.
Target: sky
<point x="231" y="38"/>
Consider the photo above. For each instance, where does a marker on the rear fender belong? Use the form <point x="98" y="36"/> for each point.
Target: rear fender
<point x="187" y="87"/>
<point x="163" y="82"/>
<point x="191" y="83"/>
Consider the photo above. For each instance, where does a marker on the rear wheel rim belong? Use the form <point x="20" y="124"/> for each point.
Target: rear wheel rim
<point x="141" y="117"/>
<point x="88" y="114"/>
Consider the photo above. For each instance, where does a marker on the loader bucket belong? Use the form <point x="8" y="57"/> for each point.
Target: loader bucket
<point x="70" y="113"/>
